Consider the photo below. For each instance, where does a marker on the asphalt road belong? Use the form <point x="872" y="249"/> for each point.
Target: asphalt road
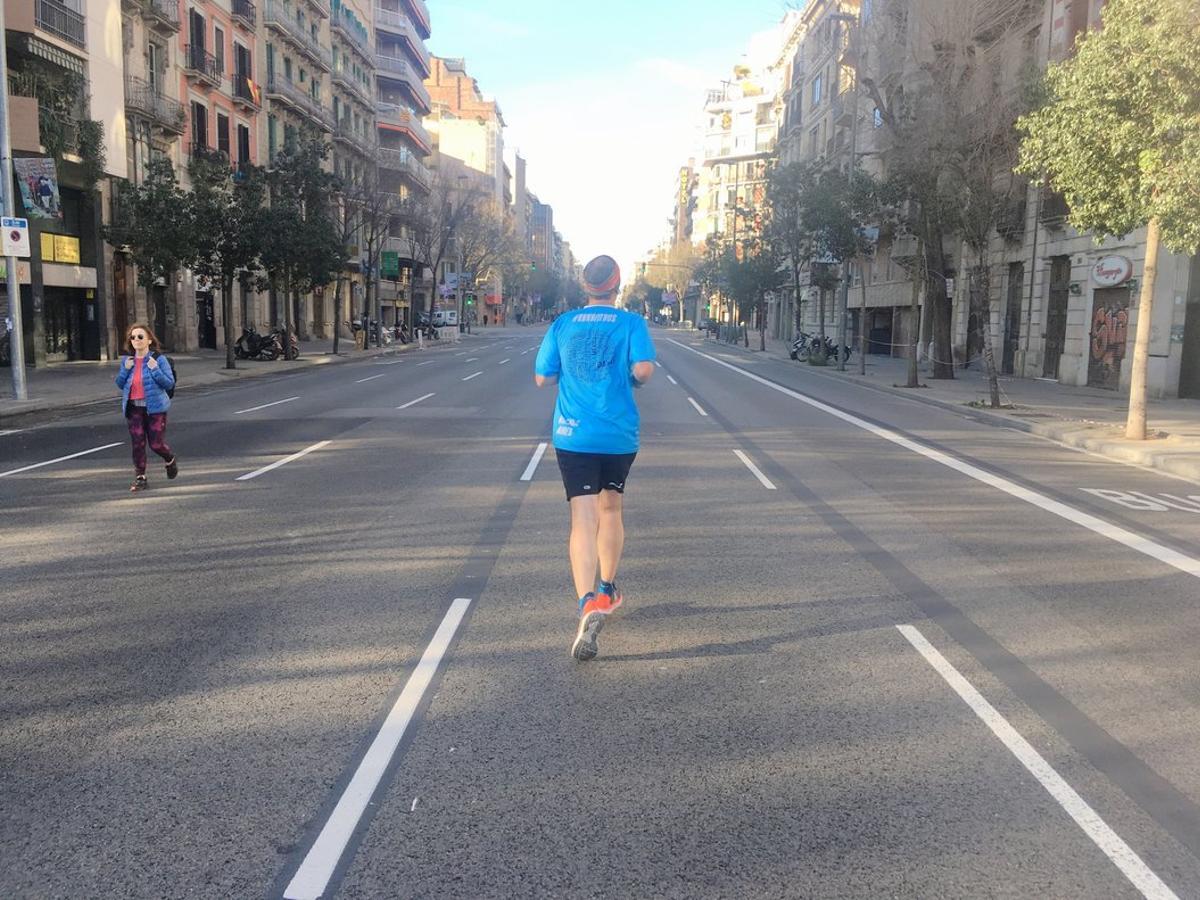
<point x="870" y="648"/>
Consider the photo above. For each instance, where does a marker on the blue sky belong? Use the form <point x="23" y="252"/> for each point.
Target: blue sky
<point x="603" y="99"/>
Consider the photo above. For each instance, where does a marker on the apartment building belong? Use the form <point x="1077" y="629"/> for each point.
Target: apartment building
<point x="65" y="79"/>
<point x="402" y="63"/>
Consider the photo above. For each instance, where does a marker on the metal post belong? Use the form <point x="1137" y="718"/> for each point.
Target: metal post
<point x="844" y="294"/>
<point x="16" y="337"/>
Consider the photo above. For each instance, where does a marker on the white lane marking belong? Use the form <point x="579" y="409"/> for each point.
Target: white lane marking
<point x="265" y="405"/>
<point x="699" y="409"/>
<point x="9" y="431"/>
<point x="312" y="878"/>
<point x="427" y="362"/>
<point x="1085" y="817"/>
<point x="507" y="346"/>
<point x="469" y="377"/>
<point x="462" y="352"/>
<point x="1136" y="542"/>
<point x="1142" y="501"/>
<point x="59" y="459"/>
<point x="392" y="362"/>
<point x="530" y="350"/>
<point x="372" y="378"/>
<point x="766" y="482"/>
<point x="283" y="462"/>
<point x="414" y="402"/>
<point x="527" y="475"/>
<point x="502" y="362"/>
<point x="471" y="359"/>
<point x="657" y="363"/>
<point x="672" y="380"/>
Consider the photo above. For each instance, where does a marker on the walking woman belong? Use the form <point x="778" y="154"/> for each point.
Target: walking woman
<point x="144" y="378"/>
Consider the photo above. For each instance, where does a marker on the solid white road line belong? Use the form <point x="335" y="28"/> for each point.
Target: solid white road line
<point x="1180" y="561"/>
<point x="282" y="462"/>
<point x="9" y="431"/>
<point x="672" y="380"/>
<point x="392" y="362"/>
<point x="502" y="362"/>
<point x="372" y="378"/>
<point x="1077" y="808"/>
<point x="527" y="475"/>
<point x="766" y="482"/>
<point x="265" y="405"/>
<point x="469" y="377"/>
<point x="312" y="878"/>
<point x="699" y="408"/>
<point x="414" y="402"/>
<point x="51" y="462"/>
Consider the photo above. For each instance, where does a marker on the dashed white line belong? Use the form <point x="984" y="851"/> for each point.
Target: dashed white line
<point x="766" y="482"/>
<point x="672" y="380"/>
<point x="427" y="362"/>
<point x="265" y="405"/>
<point x="312" y="878"/>
<point x="283" y="462"/>
<point x="414" y="402"/>
<point x="527" y="475"/>
<point x="502" y="362"/>
<point x="530" y="350"/>
<point x="462" y="352"/>
<point x="471" y="359"/>
<point x="699" y="408"/>
<point x="469" y="377"/>
<point x="59" y="459"/>
<point x="657" y="363"/>
<point x="1121" y="854"/>
<point x="371" y="378"/>
<point x="390" y="362"/>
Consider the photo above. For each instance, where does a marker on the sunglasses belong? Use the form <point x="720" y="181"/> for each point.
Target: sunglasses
<point x="138" y="337"/>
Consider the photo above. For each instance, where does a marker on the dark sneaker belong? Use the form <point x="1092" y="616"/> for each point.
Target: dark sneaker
<point x="591" y="619"/>
<point x="613" y="597"/>
<point x="173" y="467"/>
<point x="139" y="484"/>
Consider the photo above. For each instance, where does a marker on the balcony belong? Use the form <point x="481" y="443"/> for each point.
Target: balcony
<point x="405" y="163"/>
<point x="353" y="33"/>
<point x="244" y="13"/>
<point x="391" y="117"/>
<point x="275" y="15"/>
<point x="60" y="21"/>
<point x="396" y="68"/>
<point x="286" y="91"/>
<point x="397" y="24"/>
<point x="344" y="133"/>
<point x="143" y="100"/>
<point x="163" y="15"/>
<point x="246" y="92"/>
<point x="321" y="6"/>
<point x="421" y="11"/>
<point x="202" y="66"/>
<point x="347" y="82"/>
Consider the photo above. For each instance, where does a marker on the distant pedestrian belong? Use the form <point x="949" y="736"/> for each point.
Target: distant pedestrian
<point x="144" y="378"/>
<point x="597" y="355"/>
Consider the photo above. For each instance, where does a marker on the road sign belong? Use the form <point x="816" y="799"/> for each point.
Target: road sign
<point x="15" y="234"/>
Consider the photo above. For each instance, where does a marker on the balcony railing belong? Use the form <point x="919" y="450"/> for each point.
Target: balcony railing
<point x="348" y="27"/>
<point x="344" y="131"/>
<point x="422" y="11"/>
<point x="164" y="14"/>
<point x="246" y="91"/>
<point x="321" y="5"/>
<point x="404" y="162"/>
<point x="398" y="24"/>
<point x="276" y="15"/>
<point x="348" y="82"/>
<point x="301" y="100"/>
<point x="245" y="11"/>
<point x="61" y="21"/>
<point x="399" y="69"/>
<point x="143" y="99"/>
<point x="203" y="63"/>
<point x="391" y="114"/>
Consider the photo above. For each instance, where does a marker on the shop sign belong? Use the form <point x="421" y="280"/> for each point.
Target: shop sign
<point x="1111" y="271"/>
<point x="16" y="237"/>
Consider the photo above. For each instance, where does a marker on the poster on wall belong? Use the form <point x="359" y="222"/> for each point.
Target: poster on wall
<point x="39" y="187"/>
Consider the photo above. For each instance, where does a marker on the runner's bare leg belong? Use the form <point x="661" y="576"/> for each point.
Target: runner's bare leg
<point x="585" y="524"/>
<point x="611" y="534"/>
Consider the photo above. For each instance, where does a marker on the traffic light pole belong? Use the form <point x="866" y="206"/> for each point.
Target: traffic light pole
<point x="16" y="335"/>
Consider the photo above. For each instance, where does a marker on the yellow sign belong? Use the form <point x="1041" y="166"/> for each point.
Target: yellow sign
<point x="47" y="247"/>
<point x="66" y="249"/>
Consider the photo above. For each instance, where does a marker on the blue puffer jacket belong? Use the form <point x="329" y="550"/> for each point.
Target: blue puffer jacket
<point x="154" y="381"/>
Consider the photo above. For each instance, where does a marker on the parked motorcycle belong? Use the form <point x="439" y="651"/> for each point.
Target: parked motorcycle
<point x="252" y="345"/>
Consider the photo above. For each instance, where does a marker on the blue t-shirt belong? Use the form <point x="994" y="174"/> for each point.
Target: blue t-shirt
<point x="592" y="351"/>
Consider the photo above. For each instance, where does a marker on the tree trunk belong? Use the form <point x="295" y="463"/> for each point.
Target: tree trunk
<point x="1135" y="423"/>
<point x="984" y="281"/>
<point x="337" y="310"/>
<point x="821" y="312"/>
<point x="935" y="296"/>
<point x="762" y="325"/>
<point x="797" y="303"/>
<point x="227" y="314"/>
<point x="914" y="379"/>
<point x="287" y="316"/>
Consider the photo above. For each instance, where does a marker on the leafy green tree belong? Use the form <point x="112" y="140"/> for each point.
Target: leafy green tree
<point x="786" y="201"/>
<point x="152" y="223"/>
<point x="226" y="216"/>
<point x="1119" y="137"/>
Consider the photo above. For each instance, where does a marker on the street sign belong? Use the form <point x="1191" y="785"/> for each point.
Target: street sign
<point x="15" y="234"/>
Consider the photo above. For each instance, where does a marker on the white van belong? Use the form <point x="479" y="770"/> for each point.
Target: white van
<point x="444" y="317"/>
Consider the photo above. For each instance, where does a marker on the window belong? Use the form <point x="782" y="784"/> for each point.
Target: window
<point x="272" y="136"/>
<point x="243" y="62"/>
<point x="816" y="90"/>
<point x="199" y="124"/>
<point x="287" y="68"/>
<point x="270" y="61"/>
<point x="219" y="48"/>
<point x="156" y="56"/>
<point x="243" y="145"/>
<point x="223" y="133"/>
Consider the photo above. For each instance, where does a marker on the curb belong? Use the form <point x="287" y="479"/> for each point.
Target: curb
<point x="1162" y="453"/>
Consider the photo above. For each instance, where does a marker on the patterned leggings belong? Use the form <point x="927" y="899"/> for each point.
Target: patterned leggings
<point x="142" y="423"/>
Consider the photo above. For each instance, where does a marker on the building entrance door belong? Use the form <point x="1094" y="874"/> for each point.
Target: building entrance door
<point x="1056" y="314"/>
<point x="206" y="321"/>
<point x="1189" y="371"/>
<point x="1107" y="336"/>
<point x="1012" y="318"/>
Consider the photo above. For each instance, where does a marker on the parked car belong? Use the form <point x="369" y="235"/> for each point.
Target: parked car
<point x="445" y="317"/>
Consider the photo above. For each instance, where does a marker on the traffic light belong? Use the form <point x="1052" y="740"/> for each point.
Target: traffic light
<point x="533" y="264"/>
<point x="470" y="299"/>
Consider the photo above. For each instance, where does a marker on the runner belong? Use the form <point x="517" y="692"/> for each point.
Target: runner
<point x="597" y="355"/>
<point x="144" y="378"/>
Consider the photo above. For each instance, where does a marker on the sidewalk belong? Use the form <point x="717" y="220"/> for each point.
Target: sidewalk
<point x="1087" y="418"/>
<point x="64" y="386"/>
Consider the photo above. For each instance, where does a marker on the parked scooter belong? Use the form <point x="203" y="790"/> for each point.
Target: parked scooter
<point x="252" y="345"/>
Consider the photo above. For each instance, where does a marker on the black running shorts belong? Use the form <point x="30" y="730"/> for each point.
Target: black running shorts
<point x="591" y="473"/>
